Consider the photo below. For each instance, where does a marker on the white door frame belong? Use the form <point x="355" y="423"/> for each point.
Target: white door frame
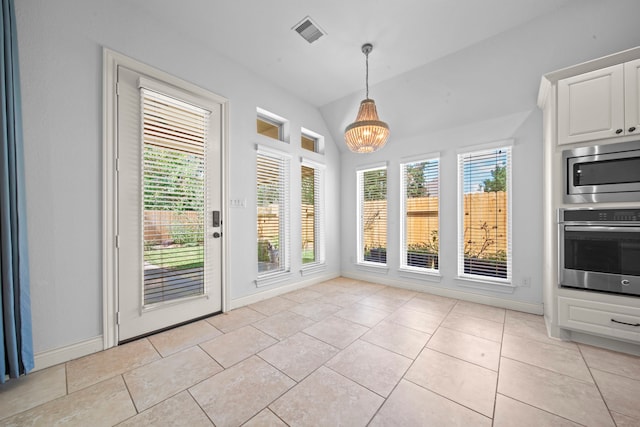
<point x="111" y="61"/>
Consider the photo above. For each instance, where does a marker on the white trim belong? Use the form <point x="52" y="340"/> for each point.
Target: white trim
<point x="304" y="161"/>
<point x="420" y="158"/>
<point x="372" y="166"/>
<point x="259" y="296"/>
<point x="312" y="268"/>
<point x="111" y="61"/>
<point x="477" y="282"/>
<point x="487" y="146"/>
<point x="56" y="356"/>
<point x="272" y="279"/>
<point x="420" y="274"/>
<point x="269" y="151"/>
<point x="452" y="293"/>
<point x="373" y="267"/>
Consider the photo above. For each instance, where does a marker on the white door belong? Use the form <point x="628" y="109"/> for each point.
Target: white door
<point x="169" y="185"/>
<point x="591" y="106"/>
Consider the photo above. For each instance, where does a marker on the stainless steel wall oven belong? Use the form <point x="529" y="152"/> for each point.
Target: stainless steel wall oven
<point x="600" y="249"/>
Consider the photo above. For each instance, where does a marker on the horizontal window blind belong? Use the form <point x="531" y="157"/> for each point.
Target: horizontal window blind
<point x="312" y="215"/>
<point x="420" y="214"/>
<point x="372" y="209"/>
<point x="173" y="175"/>
<point x="484" y="247"/>
<point x="272" y="198"/>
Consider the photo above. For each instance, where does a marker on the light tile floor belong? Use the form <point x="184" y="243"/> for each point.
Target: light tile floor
<point x="343" y="352"/>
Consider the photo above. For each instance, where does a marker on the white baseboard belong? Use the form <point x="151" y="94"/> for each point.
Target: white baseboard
<point x="451" y="293"/>
<point x="50" y="358"/>
<point x="259" y="296"/>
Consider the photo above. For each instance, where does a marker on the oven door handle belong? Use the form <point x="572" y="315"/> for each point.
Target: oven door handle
<point x="599" y="228"/>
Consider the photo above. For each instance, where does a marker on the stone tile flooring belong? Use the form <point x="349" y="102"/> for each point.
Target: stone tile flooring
<point x="343" y="352"/>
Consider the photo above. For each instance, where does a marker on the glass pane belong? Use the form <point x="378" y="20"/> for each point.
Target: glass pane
<point x="421" y="210"/>
<point x="485" y="218"/>
<point x="271" y="213"/>
<point x="374" y="215"/>
<point x="308" y="143"/>
<point x="308" y="215"/>
<point x="174" y="203"/>
<point x="268" y="128"/>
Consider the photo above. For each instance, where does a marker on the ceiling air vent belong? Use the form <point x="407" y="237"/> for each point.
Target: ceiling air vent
<point x="309" y="30"/>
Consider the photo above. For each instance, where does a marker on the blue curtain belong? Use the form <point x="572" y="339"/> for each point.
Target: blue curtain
<point x="15" y="301"/>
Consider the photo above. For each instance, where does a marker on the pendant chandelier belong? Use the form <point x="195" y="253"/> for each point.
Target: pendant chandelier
<point x="367" y="134"/>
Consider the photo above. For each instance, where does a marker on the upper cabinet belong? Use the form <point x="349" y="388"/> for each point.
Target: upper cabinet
<point x="600" y="104"/>
<point x="591" y="105"/>
<point x="632" y="96"/>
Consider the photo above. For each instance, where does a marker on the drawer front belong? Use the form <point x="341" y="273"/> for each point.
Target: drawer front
<point x="609" y="320"/>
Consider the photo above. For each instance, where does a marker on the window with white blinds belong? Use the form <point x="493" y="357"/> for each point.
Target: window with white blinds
<point x="484" y="227"/>
<point x="372" y="215"/>
<point x="420" y="222"/>
<point x="312" y="213"/>
<point x="174" y="202"/>
<point x="272" y="198"/>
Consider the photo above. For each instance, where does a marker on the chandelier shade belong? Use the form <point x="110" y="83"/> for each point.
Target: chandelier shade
<point x="368" y="133"/>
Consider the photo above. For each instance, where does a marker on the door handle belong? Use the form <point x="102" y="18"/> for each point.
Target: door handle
<point x="216" y="219"/>
<point x="217" y="235"/>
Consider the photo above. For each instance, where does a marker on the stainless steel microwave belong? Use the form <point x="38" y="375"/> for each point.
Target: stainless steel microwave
<point x="602" y="173"/>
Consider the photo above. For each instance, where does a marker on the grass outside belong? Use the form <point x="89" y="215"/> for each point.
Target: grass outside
<point x="179" y="258"/>
<point x="308" y="256"/>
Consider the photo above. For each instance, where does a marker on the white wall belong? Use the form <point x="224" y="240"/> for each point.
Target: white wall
<point x="60" y="46"/>
<point x="484" y="93"/>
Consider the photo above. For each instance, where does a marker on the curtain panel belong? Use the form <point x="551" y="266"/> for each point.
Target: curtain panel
<point x="15" y="303"/>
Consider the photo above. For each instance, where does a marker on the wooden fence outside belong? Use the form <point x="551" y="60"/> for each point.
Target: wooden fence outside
<point x="485" y="222"/>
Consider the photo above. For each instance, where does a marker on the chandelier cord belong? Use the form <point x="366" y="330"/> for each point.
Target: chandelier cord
<point x="367" y="73"/>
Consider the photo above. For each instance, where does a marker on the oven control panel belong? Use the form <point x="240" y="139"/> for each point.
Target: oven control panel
<point x="600" y="215"/>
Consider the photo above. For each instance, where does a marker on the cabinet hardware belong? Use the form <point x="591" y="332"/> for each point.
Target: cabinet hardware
<point x="625" y="323"/>
<point x="618" y="131"/>
<point x="632" y="129"/>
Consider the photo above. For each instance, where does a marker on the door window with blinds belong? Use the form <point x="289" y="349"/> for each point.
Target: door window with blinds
<point x="174" y="202"/>
<point x="272" y="199"/>
<point x="420" y="247"/>
<point x="484" y="228"/>
<point x="312" y="213"/>
<point x="372" y="215"/>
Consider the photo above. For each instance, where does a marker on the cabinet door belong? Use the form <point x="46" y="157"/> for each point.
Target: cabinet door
<point x="632" y="97"/>
<point x="591" y="105"/>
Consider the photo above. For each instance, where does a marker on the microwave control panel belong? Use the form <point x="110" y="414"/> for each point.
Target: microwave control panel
<point x="601" y="215"/>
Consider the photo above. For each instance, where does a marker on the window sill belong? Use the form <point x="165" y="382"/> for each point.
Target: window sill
<point x="312" y="268"/>
<point x="272" y="279"/>
<point x="419" y="273"/>
<point x="373" y="267"/>
<point x="486" y="284"/>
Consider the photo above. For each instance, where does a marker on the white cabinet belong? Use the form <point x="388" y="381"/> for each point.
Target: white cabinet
<point x="591" y="105"/>
<point x="608" y="320"/>
<point x="632" y="96"/>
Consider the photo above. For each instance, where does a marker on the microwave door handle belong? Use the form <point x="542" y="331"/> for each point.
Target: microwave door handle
<point x="599" y="228"/>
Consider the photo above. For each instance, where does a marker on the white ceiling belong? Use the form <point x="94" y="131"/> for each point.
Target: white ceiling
<point x="406" y="34"/>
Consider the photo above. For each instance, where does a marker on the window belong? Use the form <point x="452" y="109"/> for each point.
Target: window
<point x="272" y="126"/>
<point x="372" y="215"/>
<point x="312" y="213"/>
<point x="484" y="227"/>
<point x="308" y="143"/>
<point x="420" y="215"/>
<point x="272" y="198"/>
<point x="311" y="141"/>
